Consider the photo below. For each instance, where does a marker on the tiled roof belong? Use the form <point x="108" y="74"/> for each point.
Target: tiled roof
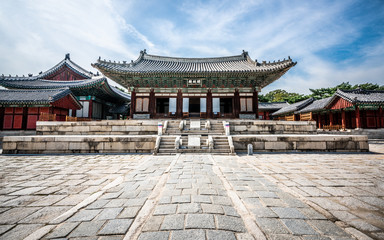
<point x="316" y="105"/>
<point x="360" y="96"/>
<point x="32" y="97"/>
<point x="77" y="86"/>
<point x="47" y="84"/>
<point x="65" y="62"/>
<point x="146" y="64"/>
<point x="272" y="106"/>
<point x="290" y="109"/>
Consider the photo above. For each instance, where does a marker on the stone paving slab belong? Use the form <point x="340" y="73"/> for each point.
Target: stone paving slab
<point x="264" y="196"/>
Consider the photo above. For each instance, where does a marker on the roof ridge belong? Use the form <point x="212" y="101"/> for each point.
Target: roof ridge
<point x="69" y="63"/>
<point x="35" y="90"/>
<point x="359" y="90"/>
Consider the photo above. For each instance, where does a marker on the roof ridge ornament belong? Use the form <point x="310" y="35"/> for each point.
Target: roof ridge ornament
<point x="245" y="53"/>
<point x="67" y="56"/>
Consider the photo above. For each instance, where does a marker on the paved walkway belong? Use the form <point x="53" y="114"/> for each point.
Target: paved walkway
<point x="265" y="196"/>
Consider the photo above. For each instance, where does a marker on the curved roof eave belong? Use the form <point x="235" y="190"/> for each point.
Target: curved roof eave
<point x="156" y="65"/>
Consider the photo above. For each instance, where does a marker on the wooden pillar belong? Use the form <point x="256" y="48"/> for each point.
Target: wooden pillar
<point x="2" y="110"/>
<point x="179" y="104"/>
<point x="330" y="118"/>
<point x="357" y="113"/>
<point x="343" y="125"/>
<point x="24" y="118"/>
<point x="381" y="117"/>
<point x="255" y="103"/>
<point x="90" y="109"/>
<point x="133" y="103"/>
<point x="209" y="104"/>
<point x="152" y="103"/>
<point x="236" y="104"/>
<point x="318" y="120"/>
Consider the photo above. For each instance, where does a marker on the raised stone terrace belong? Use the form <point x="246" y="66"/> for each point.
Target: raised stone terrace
<point x="179" y="136"/>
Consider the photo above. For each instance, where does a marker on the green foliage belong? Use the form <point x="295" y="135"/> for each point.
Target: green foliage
<point x="262" y="98"/>
<point x="280" y="95"/>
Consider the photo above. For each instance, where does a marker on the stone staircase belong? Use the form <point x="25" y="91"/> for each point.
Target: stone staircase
<point x="167" y="145"/>
<point x="221" y="145"/>
<point x="194" y="137"/>
<point x="173" y="128"/>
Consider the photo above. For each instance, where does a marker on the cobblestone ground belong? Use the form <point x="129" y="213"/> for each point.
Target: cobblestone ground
<point x="264" y="196"/>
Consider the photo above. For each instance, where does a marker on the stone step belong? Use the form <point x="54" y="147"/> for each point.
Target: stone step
<point x="222" y="147"/>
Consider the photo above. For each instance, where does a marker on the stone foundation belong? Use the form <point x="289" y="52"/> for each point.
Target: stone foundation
<point x="78" y="144"/>
<point x="139" y="136"/>
<point x="301" y="143"/>
<point x="146" y="144"/>
<point x="271" y="127"/>
<point x="371" y="133"/>
<point x="105" y="127"/>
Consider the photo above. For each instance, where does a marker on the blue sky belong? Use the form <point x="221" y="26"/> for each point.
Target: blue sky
<point x="332" y="41"/>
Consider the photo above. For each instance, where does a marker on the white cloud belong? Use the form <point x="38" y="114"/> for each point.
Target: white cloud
<point x="37" y="34"/>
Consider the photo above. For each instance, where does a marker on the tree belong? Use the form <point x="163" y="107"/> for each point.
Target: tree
<point x="262" y="98"/>
<point x="280" y="95"/>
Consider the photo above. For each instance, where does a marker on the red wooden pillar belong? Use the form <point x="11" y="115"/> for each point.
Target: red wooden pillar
<point x="255" y="103"/>
<point x="25" y="118"/>
<point x="331" y="119"/>
<point x="209" y="104"/>
<point x="1" y="117"/>
<point x="381" y="117"/>
<point x="266" y="114"/>
<point x="358" y="121"/>
<point x="318" y="120"/>
<point x="90" y="109"/>
<point x="236" y="104"/>
<point x="343" y="119"/>
<point x="179" y="104"/>
<point x="133" y="103"/>
<point x="152" y="103"/>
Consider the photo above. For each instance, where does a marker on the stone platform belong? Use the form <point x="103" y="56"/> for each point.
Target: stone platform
<point x="179" y="136"/>
<point x="146" y="144"/>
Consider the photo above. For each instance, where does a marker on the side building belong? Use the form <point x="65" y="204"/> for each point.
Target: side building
<point x="20" y="109"/>
<point x="346" y="109"/>
<point x="170" y="87"/>
<point x="98" y="98"/>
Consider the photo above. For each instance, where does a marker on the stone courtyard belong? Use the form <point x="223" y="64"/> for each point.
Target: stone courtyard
<point x="132" y="196"/>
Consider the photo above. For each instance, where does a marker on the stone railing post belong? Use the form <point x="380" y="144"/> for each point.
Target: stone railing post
<point x="181" y="125"/>
<point x="165" y="126"/>
<point x="159" y="128"/>
<point x="157" y="145"/>
<point x="250" y="149"/>
<point x="210" y="143"/>
<point x="227" y="130"/>
<point x="231" y="146"/>
<point x="177" y="143"/>
<point x="208" y="125"/>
